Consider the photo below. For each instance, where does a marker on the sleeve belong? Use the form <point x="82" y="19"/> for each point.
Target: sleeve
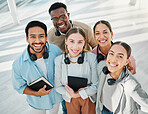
<point x="137" y="93"/>
<point x="91" y="39"/>
<point x="59" y="87"/>
<point x="19" y="84"/>
<point x="92" y="89"/>
<point x="133" y="64"/>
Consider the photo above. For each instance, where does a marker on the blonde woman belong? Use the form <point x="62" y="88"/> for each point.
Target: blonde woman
<point x="78" y="63"/>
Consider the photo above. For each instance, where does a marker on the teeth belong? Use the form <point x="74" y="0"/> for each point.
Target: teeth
<point x="37" y="45"/>
<point x="103" y="41"/>
<point x="75" y="51"/>
<point x="113" y="65"/>
<point x="61" y="26"/>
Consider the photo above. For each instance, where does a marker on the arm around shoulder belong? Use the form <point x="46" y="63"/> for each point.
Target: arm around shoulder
<point x="132" y="64"/>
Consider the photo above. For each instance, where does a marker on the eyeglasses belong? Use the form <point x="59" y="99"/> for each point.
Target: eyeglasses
<point x="55" y="19"/>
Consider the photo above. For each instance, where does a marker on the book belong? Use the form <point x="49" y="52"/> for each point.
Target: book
<point x="39" y="83"/>
<point x="77" y="82"/>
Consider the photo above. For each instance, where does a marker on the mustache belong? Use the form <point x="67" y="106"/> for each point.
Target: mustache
<point x="37" y="43"/>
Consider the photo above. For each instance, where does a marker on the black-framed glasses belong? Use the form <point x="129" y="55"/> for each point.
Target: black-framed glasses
<point x="55" y="19"/>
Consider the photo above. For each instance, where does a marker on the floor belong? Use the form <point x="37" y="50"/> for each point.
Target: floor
<point x="129" y="24"/>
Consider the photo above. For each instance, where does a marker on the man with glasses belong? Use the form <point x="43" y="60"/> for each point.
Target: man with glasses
<point x="61" y="22"/>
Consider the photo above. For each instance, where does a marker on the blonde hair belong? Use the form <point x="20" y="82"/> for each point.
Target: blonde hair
<point x="80" y="31"/>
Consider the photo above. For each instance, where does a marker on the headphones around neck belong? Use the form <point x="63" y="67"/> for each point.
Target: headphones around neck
<point x="112" y="81"/>
<point x="33" y="57"/>
<point x="57" y="32"/>
<point x="99" y="55"/>
<point x="79" y="61"/>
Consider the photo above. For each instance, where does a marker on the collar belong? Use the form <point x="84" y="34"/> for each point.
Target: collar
<point x="26" y="56"/>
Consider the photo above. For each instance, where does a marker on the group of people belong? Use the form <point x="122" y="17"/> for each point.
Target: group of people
<point x="70" y="48"/>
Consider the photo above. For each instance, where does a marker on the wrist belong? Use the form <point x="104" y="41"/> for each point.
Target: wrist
<point x="76" y="95"/>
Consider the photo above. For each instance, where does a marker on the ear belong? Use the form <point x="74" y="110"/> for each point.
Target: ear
<point x="46" y="38"/>
<point x="27" y="39"/>
<point x="68" y="14"/>
<point x="127" y="61"/>
<point x="111" y="34"/>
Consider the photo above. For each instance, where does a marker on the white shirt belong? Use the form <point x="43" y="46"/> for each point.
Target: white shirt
<point x="41" y="64"/>
<point x="108" y="91"/>
<point x="74" y="69"/>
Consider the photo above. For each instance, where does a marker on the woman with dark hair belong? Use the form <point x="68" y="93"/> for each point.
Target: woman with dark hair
<point x="77" y="64"/>
<point x="118" y="91"/>
<point x="103" y="34"/>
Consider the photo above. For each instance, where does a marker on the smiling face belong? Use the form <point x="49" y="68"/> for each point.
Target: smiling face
<point x="62" y="17"/>
<point x="36" y="39"/>
<point x="75" y="43"/>
<point x="117" y="59"/>
<point x="103" y="35"/>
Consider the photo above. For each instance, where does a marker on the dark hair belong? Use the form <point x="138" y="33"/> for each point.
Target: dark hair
<point x="35" y="24"/>
<point x="57" y="5"/>
<point x="103" y="22"/>
<point x="77" y="30"/>
<point x="126" y="47"/>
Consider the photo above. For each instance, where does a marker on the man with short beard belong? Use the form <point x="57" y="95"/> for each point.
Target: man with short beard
<point x="37" y="61"/>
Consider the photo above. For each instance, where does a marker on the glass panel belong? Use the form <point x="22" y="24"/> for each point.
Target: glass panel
<point x="31" y="8"/>
<point x="5" y="16"/>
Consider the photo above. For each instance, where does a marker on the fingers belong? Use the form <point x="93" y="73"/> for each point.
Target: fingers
<point x="83" y="88"/>
<point x="67" y="88"/>
<point x="44" y="87"/>
<point x="48" y="91"/>
<point x="86" y="87"/>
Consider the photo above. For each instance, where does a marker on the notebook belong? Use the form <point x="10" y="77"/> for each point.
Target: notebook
<point x="77" y="82"/>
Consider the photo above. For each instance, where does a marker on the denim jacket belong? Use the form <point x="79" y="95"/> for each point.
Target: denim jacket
<point x="25" y="71"/>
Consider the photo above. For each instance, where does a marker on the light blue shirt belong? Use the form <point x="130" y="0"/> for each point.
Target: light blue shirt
<point x="25" y="71"/>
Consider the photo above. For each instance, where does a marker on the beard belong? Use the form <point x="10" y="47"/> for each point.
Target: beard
<point x="35" y="50"/>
